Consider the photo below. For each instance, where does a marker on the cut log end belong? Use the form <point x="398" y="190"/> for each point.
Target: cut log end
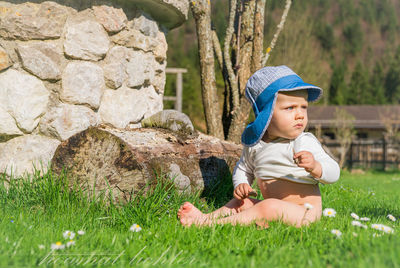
<point x="125" y="161"/>
<point x="96" y="158"/>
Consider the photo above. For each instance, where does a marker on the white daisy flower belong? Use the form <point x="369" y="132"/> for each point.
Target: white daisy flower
<point x="308" y="206"/>
<point x="69" y="235"/>
<point x="365" y="219"/>
<point x="70" y="243"/>
<point x="383" y="228"/>
<point x="354" y="216"/>
<point x="81" y="232"/>
<point x="391" y="217"/>
<point x="376" y="226"/>
<point x="359" y="224"/>
<point x="58" y="245"/>
<point x="336" y="232"/>
<point x="329" y="212"/>
<point x="387" y="229"/>
<point x="135" y="228"/>
<point x="41" y="246"/>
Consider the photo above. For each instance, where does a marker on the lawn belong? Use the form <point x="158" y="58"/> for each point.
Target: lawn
<point x="36" y="214"/>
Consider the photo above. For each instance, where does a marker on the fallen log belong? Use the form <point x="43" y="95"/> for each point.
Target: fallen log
<point x="124" y="161"/>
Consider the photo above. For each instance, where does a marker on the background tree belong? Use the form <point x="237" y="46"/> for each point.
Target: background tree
<point x="359" y="91"/>
<point x="391" y="121"/>
<point x="338" y="88"/>
<point x="392" y="81"/>
<point x="344" y="131"/>
<point x="242" y="54"/>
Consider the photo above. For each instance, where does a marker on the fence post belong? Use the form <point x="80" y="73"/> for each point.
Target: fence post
<point x="179" y="88"/>
<point x="178" y="103"/>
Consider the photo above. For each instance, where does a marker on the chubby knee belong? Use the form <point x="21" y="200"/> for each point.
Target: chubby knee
<point x="269" y="208"/>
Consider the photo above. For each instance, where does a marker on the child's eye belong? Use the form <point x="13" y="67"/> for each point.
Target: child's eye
<point x="289" y="108"/>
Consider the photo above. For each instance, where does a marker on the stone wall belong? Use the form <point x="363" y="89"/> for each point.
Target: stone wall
<point x="63" y="69"/>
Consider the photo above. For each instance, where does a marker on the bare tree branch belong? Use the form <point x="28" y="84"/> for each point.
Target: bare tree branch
<point x="278" y="31"/>
<point x="227" y="57"/>
<point x="247" y="27"/>
<point x="217" y="49"/>
<point x="258" y="43"/>
<point x="201" y="10"/>
<point x="343" y="128"/>
<point x="238" y="34"/>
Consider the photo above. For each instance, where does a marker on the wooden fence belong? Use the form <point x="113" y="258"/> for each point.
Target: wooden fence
<point x="378" y="154"/>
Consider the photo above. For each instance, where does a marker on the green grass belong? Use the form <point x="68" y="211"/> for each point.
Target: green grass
<point x="36" y="211"/>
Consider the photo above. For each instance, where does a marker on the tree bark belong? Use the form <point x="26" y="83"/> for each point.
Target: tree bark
<point x="202" y="14"/>
<point x="240" y="114"/>
<point x="123" y="162"/>
<point x="258" y="43"/>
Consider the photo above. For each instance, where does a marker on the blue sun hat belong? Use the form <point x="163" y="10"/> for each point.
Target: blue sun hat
<point x="262" y="90"/>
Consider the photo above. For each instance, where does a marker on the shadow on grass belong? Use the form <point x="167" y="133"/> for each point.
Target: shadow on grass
<point x="219" y="192"/>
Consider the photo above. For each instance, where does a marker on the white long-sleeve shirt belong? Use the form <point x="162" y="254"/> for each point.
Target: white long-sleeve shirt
<point x="274" y="160"/>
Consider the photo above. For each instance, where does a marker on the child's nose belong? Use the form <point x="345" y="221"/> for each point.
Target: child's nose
<point x="299" y="114"/>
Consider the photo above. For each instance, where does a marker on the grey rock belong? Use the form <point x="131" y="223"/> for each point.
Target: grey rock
<point x="172" y="120"/>
<point x="146" y="26"/>
<point x="10" y="47"/>
<point x="115" y="65"/>
<point x="153" y="99"/>
<point x="140" y="68"/>
<point x="8" y="126"/>
<point x="82" y="83"/>
<point x="160" y="50"/>
<point x="66" y="120"/>
<point x="182" y="182"/>
<point x="4" y="59"/>
<point x="30" y="21"/>
<point x="159" y="78"/>
<point x="122" y="106"/>
<point x="134" y="38"/>
<point x="86" y="40"/>
<point x="24" y="97"/>
<point x="23" y="154"/>
<point x="42" y="60"/>
<point x="112" y="19"/>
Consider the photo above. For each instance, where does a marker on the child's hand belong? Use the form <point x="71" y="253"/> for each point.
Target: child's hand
<point x="242" y="191"/>
<point x="306" y="160"/>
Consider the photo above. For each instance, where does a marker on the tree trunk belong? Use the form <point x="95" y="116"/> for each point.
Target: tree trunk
<point x="246" y="65"/>
<point x="258" y="44"/>
<point x="202" y="14"/>
<point x="125" y="161"/>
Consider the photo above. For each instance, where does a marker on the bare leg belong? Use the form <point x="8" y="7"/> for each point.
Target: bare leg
<point x="233" y="207"/>
<point x="189" y="214"/>
<point x="269" y="210"/>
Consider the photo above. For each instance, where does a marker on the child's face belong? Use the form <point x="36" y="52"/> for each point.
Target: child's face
<point x="290" y="115"/>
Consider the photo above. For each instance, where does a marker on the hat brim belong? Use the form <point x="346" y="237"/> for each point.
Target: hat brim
<point x="255" y="130"/>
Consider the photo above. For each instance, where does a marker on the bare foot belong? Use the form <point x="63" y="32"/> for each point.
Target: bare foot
<point x="261" y="224"/>
<point x="188" y="214"/>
